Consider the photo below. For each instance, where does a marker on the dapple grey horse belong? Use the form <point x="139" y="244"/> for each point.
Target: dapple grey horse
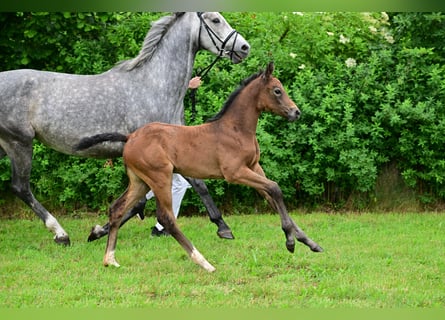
<point x="59" y="109"/>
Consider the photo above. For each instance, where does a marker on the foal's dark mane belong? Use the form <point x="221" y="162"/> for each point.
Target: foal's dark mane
<point x="154" y="36"/>
<point x="233" y="96"/>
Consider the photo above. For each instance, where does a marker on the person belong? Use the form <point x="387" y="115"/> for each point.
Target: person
<point x="179" y="187"/>
<point x="179" y="184"/>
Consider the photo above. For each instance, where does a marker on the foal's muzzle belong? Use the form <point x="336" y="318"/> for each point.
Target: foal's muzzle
<point x="293" y="114"/>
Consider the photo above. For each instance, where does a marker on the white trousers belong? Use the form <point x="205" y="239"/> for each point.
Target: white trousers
<point x="179" y="187"/>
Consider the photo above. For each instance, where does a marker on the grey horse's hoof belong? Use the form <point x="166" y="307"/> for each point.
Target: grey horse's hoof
<point x="225" y="234"/>
<point x="63" y="240"/>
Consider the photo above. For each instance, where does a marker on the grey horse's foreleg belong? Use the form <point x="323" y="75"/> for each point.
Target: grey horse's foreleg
<point x="98" y="231"/>
<point x="21" y="157"/>
<point x="214" y="214"/>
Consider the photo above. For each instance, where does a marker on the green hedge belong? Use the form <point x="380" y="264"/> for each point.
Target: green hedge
<point x="371" y="88"/>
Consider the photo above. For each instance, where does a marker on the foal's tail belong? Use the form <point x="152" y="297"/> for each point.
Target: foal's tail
<point x="88" y="142"/>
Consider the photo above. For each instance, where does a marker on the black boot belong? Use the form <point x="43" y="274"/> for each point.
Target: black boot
<point x="158" y="233"/>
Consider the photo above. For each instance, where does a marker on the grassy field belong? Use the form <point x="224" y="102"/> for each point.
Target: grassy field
<point x="370" y="261"/>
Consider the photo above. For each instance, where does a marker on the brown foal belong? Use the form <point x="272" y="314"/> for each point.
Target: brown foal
<point x="223" y="148"/>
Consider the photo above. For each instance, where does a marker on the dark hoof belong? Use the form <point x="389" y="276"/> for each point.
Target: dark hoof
<point x="317" y="249"/>
<point x="290" y="245"/>
<point x="225" y="234"/>
<point x="63" y="240"/>
<point x="92" y="237"/>
<point x="97" y="232"/>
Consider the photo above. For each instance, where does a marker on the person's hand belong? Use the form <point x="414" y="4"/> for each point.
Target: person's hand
<point x="195" y="82"/>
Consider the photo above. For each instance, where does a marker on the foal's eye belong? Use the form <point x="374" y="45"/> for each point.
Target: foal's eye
<point x="277" y="91"/>
<point x="216" y="20"/>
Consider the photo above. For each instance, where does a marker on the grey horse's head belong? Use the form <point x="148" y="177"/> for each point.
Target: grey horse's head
<point x="218" y="37"/>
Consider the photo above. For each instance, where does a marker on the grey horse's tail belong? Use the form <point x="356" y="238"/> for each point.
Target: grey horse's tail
<point x="88" y="142"/>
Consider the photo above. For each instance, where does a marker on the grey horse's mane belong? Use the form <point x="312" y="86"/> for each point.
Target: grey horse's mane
<point x="157" y="31"/>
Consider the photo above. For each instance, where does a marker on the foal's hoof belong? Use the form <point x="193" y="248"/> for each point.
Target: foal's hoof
<point x="97" y="232"/>
<point x="63" y="240"/>
<point x="225" y="234"/>
<point x="317" y="248"/>
<point x="290" y="245"/>
<point x="112" y="263"/>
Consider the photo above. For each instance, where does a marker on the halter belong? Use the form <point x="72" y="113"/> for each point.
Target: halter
<point x="212" y="35"/>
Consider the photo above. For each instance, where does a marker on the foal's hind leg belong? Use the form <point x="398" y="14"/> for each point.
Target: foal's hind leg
<point x="20" y="154"/>
<point x="98" y="231"/>
<point x="136" y="189"/>
<point x="167" y="219"/>
<point x="165" y="216"/>
<point x="215" y="215"/>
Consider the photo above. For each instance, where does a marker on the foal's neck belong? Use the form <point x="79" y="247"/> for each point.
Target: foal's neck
<point x="245" y="111"/>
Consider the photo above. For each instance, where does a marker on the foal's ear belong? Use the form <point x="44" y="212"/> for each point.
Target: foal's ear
<point x="269" y="70"/>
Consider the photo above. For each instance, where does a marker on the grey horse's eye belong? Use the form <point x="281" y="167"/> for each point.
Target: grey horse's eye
<point x="216" y="20"/>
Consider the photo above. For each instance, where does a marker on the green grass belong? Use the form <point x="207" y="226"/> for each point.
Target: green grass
<point x="370" y="261"/>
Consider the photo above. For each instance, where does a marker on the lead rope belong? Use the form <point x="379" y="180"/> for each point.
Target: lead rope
<point x="201" y="74"/>
<point x="206" y="70"/>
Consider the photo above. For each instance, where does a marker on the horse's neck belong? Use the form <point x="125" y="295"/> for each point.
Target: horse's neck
<point x="173" y="59"/>
<point x="244" y="112"/>
<point x="160" y="84"/>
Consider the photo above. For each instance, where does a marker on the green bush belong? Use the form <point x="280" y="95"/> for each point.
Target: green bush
<point x="369" y="96"/>
<point x="371" y="88"/>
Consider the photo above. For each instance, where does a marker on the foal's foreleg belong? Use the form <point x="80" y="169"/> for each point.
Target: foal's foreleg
<point x="273" y="194"/>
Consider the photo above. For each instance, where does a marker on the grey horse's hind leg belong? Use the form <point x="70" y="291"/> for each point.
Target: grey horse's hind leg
<point x="21" y="157"/>
<point x="214" y="214"/>
<point x="98" y="231"/>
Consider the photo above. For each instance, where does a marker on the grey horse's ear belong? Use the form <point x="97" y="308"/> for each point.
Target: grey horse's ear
<point x="269" y="71"/>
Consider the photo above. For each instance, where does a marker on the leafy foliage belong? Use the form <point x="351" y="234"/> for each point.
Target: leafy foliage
<point x="371" y="88"/>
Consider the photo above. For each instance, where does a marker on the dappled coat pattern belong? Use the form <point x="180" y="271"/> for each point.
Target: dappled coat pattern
<point x="58" y="109"/>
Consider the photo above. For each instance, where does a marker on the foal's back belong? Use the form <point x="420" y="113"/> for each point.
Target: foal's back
<point x="186" y="150"/>
<point x="202" y="151"/>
